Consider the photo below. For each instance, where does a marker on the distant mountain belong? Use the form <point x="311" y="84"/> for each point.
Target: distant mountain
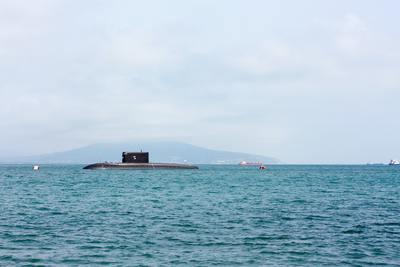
<point x="159" y="152"/>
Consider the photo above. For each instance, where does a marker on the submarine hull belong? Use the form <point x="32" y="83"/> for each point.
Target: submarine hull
<point x="139" y="166"/>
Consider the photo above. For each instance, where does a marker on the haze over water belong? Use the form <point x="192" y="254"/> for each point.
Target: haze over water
<point x="218" y="215"/>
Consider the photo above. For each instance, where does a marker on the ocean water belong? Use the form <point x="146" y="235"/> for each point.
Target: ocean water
<point x="218" y="215"/>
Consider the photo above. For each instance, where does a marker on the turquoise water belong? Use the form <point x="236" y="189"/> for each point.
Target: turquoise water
<point x="218" y="215"/>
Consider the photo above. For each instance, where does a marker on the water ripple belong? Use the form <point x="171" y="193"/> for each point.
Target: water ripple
<point x="218" y="215"/>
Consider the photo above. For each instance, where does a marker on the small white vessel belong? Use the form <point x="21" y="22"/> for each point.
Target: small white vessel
<point x="36" y="167"/>
<point x="394" y="162"/>
<point x="245" y="163"/>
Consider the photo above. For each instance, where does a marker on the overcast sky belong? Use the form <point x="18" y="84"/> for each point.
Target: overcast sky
<point x="303" y="81"/>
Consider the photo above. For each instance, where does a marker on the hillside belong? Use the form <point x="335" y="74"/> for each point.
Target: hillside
<point x="159" y="152"/>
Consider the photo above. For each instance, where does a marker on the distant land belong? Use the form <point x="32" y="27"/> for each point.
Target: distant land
<point x="168" y="152"/>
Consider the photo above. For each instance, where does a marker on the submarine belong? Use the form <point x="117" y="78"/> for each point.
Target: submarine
<point x="137" y="161"/>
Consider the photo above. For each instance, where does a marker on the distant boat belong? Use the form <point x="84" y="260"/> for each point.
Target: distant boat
<point x="245" y="163"/>
<point x="36" y="167"/>
<point x="262" y="167"/>
<point x="394" y="162"/>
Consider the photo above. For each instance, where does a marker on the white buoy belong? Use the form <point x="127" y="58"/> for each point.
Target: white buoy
<point x="36" y="167"/>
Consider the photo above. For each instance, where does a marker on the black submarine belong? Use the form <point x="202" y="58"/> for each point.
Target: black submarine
<point x="137" y="161"/>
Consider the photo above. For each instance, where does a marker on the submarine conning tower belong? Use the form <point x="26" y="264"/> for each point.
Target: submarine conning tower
<point x="135" y="157"/>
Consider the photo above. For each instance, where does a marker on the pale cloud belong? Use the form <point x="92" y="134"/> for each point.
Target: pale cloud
<point x="134" y="52"/>
<point x="353" y="35"/>
<point x="269" y="57"/>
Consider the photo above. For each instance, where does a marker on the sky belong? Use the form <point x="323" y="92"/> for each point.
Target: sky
<point x="303" y="81"/>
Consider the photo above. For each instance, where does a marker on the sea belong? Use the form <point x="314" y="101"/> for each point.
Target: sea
<point x="219" y="215"/>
